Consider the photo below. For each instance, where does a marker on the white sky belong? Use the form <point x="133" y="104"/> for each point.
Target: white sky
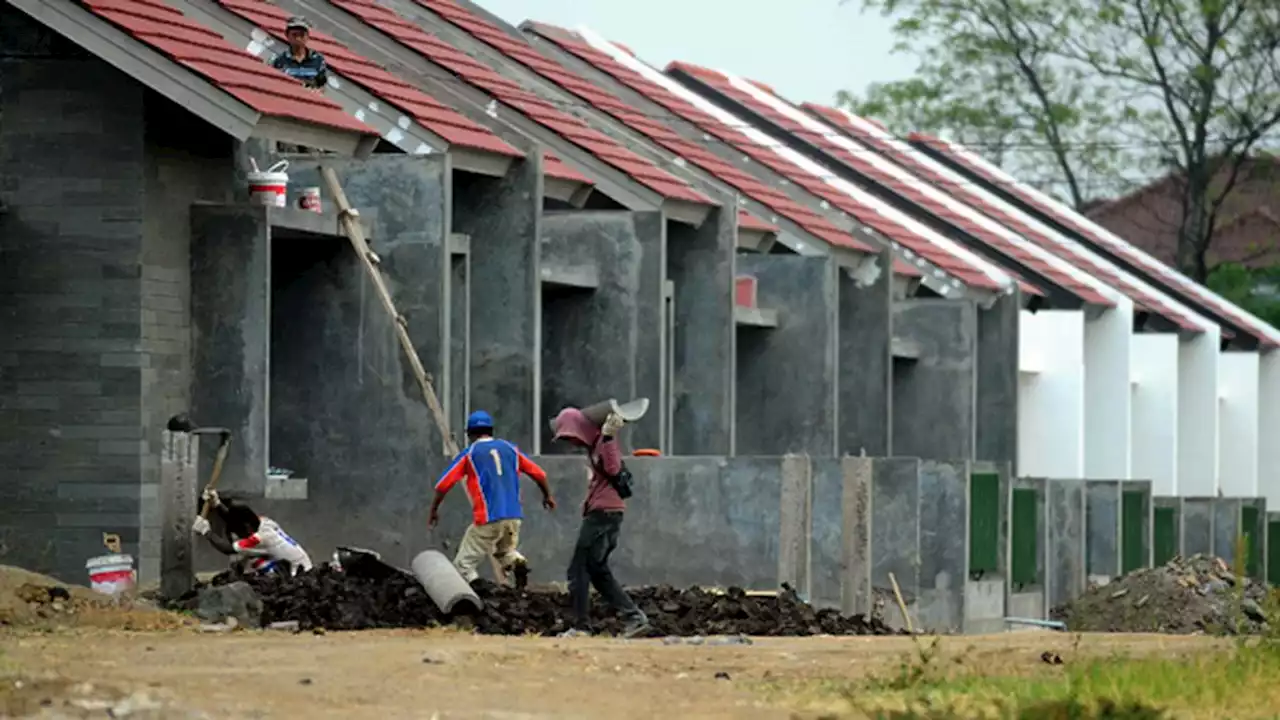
<point x="805" y="49"/>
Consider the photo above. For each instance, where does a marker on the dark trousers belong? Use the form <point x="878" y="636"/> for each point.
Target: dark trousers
<point x="597" y="539"/>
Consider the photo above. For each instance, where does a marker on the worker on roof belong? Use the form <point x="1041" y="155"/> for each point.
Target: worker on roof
<point x="257" y="540"/>
<point x="301" y="62"/>
<point x="490" y="467"/>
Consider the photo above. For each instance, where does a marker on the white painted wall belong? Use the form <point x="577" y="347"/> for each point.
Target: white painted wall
<point x="1154" y="383"/>
<point x="1238" y="424"/>
<point x="1108" y="403"/>
<point x="1051" y="394"/>
<point x="1198" y="415"/>
<point x="1269" y="428"/>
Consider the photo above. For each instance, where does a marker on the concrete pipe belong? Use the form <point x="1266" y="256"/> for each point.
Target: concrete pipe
<point x="443" y="582"/>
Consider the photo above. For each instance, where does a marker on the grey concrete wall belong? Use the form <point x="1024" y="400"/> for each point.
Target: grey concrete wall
<point x="996" y="402"/>
<point x="1228" y="526"/>
<point x="827" y="548"/>
<point x="934" y="396"/>
<point x="231" y="330"/>
<point x="943" y="549"/>
<point x="1065" y="511"/>
<point x="92" y="299"/>
<point x="1197" y="525"/>
<point x="700" y="265"/>
<point x="864" y="373"/>
<point x="346" y="413"/>
<point x="1102" y="533"/>
<point x="502" y="217"/>
<point x="786" y="375"/>
<point x="591" y="339"/>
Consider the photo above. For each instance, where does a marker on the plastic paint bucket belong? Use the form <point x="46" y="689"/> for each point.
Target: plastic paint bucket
<point x="310" y="199"/>
<point x="268" y="188"/>
<point x="111" y="574"/>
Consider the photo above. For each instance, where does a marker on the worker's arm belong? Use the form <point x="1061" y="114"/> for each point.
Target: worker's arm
<point x="538" y="476"/>
<point x="322" y="73"/>
<point x="220" y="543"/>
<point x="609" y="455"/>
<point x="457" y="471"/>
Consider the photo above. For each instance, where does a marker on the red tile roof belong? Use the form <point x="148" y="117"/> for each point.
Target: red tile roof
<point x="866" y="164"/>
<point x="553" y="166"/>
<point x="747" y="221"/>
<point x="957" y="266"/>
<point x="1174" y="281"/>
<point x="231" y="69"/>
<point x="512" y="95"/>
<point x="427" y="111"/>
<point x="946" y="180"/>
<point x="744" y="182"/>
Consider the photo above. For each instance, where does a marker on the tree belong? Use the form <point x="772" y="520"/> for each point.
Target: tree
<point x="1091" y="96"/>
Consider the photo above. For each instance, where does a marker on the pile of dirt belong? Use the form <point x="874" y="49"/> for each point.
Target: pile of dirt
<point x="335" y="600"/>
<point x="32" y="599"/>
<point x="1185" y="596"/>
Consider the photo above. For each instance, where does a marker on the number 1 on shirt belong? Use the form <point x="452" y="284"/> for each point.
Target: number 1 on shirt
<point x="497" y="460"/>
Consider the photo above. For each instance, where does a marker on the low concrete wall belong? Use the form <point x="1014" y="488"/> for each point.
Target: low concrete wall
<point x="1102" y="530"/>
<point x="1211" y="526"/>
<point x="1066" y="511"/>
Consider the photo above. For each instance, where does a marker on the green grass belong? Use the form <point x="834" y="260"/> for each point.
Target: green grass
<point x="1241" y="682"/>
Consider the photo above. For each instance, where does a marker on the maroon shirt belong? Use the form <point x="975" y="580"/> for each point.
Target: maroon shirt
<point x="604" y="454"/>
<point x="601" y="494"/>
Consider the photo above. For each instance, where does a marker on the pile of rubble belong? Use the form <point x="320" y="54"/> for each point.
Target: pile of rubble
<point x="336" y="600"/>
<point x="1199" y="594"/>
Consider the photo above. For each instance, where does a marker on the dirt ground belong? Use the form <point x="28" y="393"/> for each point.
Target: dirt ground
<point x="449" y="674"/>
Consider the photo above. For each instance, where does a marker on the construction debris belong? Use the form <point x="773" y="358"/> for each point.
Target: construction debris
<point x="337" y="600"/>
<point x="1199" y="594"/>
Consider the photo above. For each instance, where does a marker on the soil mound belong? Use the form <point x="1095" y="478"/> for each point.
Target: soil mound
<point x="336" y="600"/>
<point x="32" y="599"/>
<point x="1199" y="594"/>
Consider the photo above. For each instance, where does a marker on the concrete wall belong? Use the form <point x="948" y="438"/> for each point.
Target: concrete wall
<point x="1154" y="382"/>
<point x="1269" y="429"/>
<point x="934" y="412"/>
<point x="864" y="371"/>
<point x="996" y="407"/>
<point x="700" y="264"/>
<point x="1065" y="515"/>
<point x="92" y="298"/>
<point x="592" y="344"/>
<point x="502" y="216"/>
<point x="1198" y="415"/>
<point x="1051" y="426"/>
<point x="1108" y="399"/>
<point x="786" y="375"/>
<point x="1238" y="438"/>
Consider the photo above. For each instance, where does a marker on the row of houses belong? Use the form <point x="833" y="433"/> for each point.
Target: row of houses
<point x="560" y="222"/>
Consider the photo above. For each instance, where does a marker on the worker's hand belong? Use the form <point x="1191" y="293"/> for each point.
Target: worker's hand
<point x="434" y="519"/>
<point x="549" y="502"/>
<point x="612" y="425"/>
<point x="210" y="496"/>
<point x="200" y="526"/>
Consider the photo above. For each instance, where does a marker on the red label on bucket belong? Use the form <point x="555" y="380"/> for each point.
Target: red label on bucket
<point x="111" y="576"/>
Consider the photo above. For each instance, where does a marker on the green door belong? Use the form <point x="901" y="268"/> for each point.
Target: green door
<point x="1024" y="540"/>
<point x="1273" y="552"/>
<point x="1133" y="531"/>
<point x="984" y="523"/>
<point x="1165" y="535"/>
<point x="1253" y="548"/>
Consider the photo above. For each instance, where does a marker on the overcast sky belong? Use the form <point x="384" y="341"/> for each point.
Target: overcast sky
<point x="805" y="49"/>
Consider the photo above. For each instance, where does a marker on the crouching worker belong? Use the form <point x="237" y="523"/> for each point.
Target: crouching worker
<point x="491" y="468"/>
<point x="602" y="512"/>
<point x="251" y="538"/>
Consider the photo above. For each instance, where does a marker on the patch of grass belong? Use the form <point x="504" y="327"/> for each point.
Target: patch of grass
<point x="1237" y="683"/>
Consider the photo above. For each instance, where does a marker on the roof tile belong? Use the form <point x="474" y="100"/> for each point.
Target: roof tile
<point x="233" y="70"/>
<point x="745" y="183"/>
<point x="514" y="96"/>
<point x="426" y="110"/>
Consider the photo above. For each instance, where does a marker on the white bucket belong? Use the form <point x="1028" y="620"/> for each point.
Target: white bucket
<point x="111" y="574"/>
<point x="269" y="188"/>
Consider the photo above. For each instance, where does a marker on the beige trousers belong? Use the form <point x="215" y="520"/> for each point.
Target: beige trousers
<point x="498" y="538"/>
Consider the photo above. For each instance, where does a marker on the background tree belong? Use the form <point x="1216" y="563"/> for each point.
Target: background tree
<point x="1086" y="98"/>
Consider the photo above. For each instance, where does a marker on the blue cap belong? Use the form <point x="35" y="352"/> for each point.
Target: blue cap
<point x="479" y="419"/>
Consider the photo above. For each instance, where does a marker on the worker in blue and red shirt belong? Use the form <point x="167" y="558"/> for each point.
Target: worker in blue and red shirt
<point x="490" y="468"/>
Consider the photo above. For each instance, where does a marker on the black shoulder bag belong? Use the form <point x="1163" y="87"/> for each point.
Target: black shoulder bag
<point x="620" y="482"/>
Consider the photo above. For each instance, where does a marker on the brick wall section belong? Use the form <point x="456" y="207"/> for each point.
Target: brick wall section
<point x="71" y="166"/>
